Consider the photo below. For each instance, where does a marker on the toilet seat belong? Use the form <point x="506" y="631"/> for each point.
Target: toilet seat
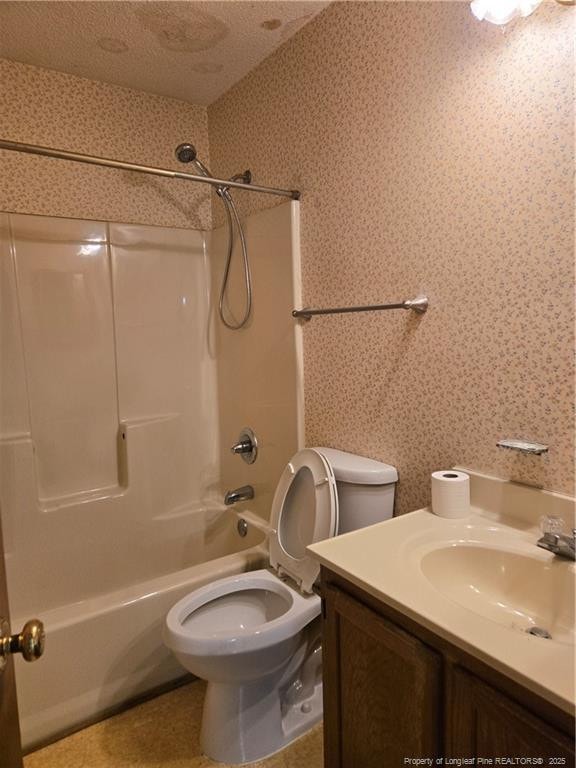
<point x="304" y="510"/>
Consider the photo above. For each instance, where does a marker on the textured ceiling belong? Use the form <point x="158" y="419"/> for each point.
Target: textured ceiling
<point x="192" y="51"/>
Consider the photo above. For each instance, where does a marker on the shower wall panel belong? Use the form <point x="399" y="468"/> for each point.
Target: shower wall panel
<point x="260" y="366"/>
<point x="165" y="369"/>
<point x="14" y="419"/>
<point x="64" y="290"/>
<point x="108" y="405"/>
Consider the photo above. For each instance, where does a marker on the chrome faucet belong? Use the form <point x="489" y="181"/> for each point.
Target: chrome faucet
<point x="554" y="540"/>
<point x="239" y="494"/>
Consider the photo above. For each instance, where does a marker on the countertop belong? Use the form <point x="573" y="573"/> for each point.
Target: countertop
<point x="384" y="560"/>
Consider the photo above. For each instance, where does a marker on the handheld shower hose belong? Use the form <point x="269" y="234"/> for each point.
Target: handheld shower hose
<point x="186" y="153"/>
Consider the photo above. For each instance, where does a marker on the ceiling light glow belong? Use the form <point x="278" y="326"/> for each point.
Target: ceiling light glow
<point x="502" y="11"/>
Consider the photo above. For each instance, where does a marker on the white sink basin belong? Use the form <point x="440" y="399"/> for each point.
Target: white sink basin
<point x="516" y="590"/>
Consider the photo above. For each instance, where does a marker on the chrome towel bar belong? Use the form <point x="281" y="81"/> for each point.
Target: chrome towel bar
<point x="418" y="305"/>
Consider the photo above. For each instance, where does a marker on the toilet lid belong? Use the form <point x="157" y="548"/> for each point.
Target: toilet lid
<point x="304" y="510"/>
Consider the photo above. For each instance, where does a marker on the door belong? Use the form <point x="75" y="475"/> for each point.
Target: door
<point x="382" y="689"/>
<point x="483" y="722"/>
<point x="10" y="752"/>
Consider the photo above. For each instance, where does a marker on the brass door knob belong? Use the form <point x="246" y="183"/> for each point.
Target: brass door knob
<point x="29" y="642"/>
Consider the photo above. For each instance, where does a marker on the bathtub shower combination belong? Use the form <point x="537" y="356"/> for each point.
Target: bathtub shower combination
<point x="121" y="395"/>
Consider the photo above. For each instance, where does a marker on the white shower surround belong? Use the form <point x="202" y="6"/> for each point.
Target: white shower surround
<point x="114" y="543"/>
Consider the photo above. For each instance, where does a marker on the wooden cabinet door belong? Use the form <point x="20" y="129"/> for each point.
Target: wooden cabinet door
<point x="10" y="753"/>
<point x="483" y="722"/>
<point x="382" y="689"/>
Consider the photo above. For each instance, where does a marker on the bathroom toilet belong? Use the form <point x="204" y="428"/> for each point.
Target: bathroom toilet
<point x="255" y="637"/>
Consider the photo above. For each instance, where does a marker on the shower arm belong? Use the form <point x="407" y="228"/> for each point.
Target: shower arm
<point x="34" y="149"/>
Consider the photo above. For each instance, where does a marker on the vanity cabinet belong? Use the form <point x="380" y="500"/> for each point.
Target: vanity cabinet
<point x="381" y="688"/>
<point x="484" y="722"/>
<point x="394" y="690"/>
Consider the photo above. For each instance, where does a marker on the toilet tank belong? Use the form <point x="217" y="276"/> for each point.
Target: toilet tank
<point x="365" y="489"/>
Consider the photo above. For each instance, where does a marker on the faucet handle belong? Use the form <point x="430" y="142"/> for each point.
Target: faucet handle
<point x="551" y="525"/>
<point x="246" y="446"/>
<point x="243" y="446"/>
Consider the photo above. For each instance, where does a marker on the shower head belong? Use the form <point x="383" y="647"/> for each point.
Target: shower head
<point x="185" y="153"/>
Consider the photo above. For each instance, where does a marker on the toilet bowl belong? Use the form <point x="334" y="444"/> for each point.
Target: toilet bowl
<point x="255" y="637"/>
<point x="246" y="635"/>
<point x="240" y="628"/>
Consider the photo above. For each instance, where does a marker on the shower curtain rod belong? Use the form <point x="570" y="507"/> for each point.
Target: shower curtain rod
<point x="34" y="149"/>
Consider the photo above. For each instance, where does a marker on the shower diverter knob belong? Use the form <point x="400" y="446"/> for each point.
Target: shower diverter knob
<point x="246" y="446"/>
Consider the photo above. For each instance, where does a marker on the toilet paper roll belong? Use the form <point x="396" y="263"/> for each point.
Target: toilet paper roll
<point x="450" y="493"/>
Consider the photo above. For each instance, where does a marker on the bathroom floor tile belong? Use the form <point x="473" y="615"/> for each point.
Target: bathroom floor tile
<point x="161" y="732"/>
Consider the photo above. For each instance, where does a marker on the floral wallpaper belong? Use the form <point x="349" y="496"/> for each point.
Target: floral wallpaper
<point x="435" y="155"/>
<point x="41" y="106"/>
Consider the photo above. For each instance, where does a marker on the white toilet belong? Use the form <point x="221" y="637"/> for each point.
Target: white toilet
<point x="255" y="637"/>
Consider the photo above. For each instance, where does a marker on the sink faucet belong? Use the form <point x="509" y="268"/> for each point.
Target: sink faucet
<point x="554" y="540"/>
<point x="239" y="494"/>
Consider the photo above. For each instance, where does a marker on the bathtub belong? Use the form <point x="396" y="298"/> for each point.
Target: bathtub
<point x="107" y="650"/>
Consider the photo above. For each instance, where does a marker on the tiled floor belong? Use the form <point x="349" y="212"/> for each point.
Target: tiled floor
<point x="161" y="732"/>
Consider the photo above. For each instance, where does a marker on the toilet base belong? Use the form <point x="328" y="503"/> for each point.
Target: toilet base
<point x="245" y="723"/>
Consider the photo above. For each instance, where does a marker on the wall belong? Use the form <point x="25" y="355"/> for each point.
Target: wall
<point x="40" y="106"/>
<point x="435" y="154"/>
<point x="259" y="366"/>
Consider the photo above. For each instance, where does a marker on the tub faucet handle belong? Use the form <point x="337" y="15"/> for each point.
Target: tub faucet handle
<point x="246" y="446"/>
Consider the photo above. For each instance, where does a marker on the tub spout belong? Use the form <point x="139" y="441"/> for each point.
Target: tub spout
<point x="239" y="494"/>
